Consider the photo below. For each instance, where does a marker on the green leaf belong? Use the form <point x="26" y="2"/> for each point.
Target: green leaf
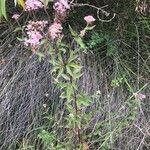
<point x="46" y="137"/>
<point x="74" y="72"/>
<point x="69" y="92"/>
<point x="65" y="77"/>
<point x="40" y="55"/>
<point x="20" y="39"/>
<point x="80" y="42"/>
<point x="17" y="29"/>
<point x="73" y="56"/>
<point x="0" y="12"/>
<point x="70" y="108"/>
<point x="62" y="85"/>
<point x="77" y="38"/>
<point x="60" y="58"/>
<point x="76" y="66"/>
<point x="54" y="70"/>
<point x="69" y="71"/>
<point x="61" y="70"/>
<point x="83" y="100"/>
<point x="54" y="62"/>
<point x="3" y="8"/>
<point x="77" y="70"/>
<point x="63" y="50"/>
<point x="90" y="28"/>
<point x="73" y="33"/>
<point x="77" y="75"/>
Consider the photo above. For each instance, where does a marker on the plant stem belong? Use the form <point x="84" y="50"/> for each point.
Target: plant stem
<point x="76" y="113"/>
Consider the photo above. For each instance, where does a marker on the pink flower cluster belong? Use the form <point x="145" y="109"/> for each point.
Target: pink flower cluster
<point x="139" y="96"/>
<point x="34" y="39"/>
<point x="33" y="5"/>
<point x="34" y="30"/>
<point x="15" y="16"/>
<point x="55" y="30"/>
<point x="89" y="19"/>
<point x="61" y="6"/>
<point x="36" y="25"/>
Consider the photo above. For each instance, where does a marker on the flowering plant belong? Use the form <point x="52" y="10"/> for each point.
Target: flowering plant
<point x="89" y="19"/>
<point x="66" y="72"/>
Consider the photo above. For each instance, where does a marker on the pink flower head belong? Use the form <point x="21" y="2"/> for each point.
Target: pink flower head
<point x="33" y="5"/>
<point x="89" y="19"/>
<point x="61" y="6"/>
<point x="15" y="16"/>
<point x="140" y="96"/>
<point x="36" y="25"/>
<point x="34" y="39"/>
<point x="55" y="30"/>
<point x="65" y="3"/>
<point x="34" y="30"/>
